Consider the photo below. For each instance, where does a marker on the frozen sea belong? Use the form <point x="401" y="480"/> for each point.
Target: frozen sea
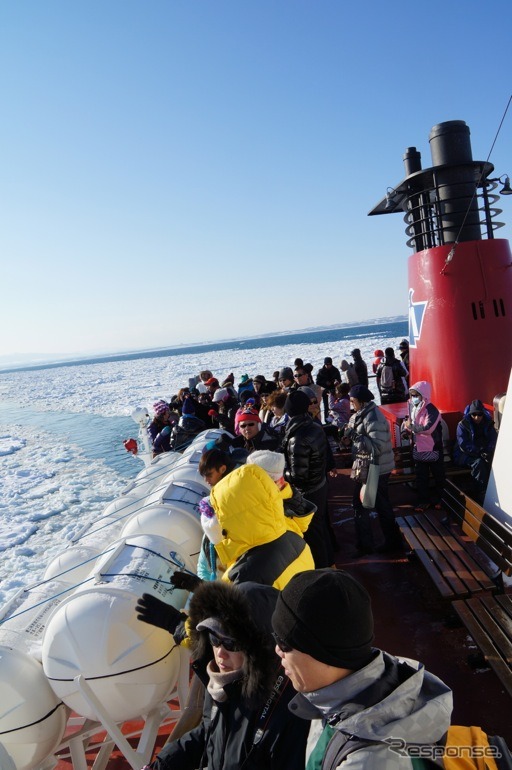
<point x="62" y="457"/>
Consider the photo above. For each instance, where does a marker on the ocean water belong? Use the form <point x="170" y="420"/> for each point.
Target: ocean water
<point x="62" y="426"/>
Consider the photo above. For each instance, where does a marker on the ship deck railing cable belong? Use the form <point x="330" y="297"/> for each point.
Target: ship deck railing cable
<point x="451" y="253"/>
<point x="172" y="559"/>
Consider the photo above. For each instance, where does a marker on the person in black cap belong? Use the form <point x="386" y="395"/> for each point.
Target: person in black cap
<point x="305" y="447"/>
<point x="359" y="698"/>
<point x="368" y="431"/>
<point x="328" y="377"/>
<point x="245" y="719"/>
<point x="475" y="444"/>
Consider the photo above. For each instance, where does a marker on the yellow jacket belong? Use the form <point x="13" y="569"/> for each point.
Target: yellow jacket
<point x="259" y="544"/>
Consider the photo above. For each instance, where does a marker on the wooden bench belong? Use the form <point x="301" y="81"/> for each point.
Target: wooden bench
<point x="467" y="552"/>
<point x="489" y="621"/>
<point x="447" y="554"/>
<point x="492" y="536"/>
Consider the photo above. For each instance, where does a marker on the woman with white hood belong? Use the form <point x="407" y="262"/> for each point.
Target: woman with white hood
<point x="425" y="428"/>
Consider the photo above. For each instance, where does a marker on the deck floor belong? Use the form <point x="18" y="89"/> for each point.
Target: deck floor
<point x="412" y="620"/>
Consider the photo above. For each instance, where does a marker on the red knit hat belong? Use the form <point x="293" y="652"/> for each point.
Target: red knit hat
<point x="248" y="415"/>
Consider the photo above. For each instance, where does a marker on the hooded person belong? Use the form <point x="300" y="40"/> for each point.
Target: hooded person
<point x="357" y="697"/>
<point x="305" y="448"/>
<point x="360" y="367"/>
<point x="475" y="444"/>
<point x="297" y="510"/>
<point x="258" y="544"/>
<point x="245" y="718"/>
<point x="424" y="427"/>
<point x="252" y="537"/>
<point x="245" y="384"/>
<point x="348" y="373"/>
<point x="368" y="431"/>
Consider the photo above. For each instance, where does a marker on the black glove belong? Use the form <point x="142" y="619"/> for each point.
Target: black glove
<point x="154" y="611"/>
<point x="349" y="432"/>
<point x="186" y="581"/>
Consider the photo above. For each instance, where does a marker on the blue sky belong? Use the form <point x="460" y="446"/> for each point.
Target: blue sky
<point x="182" y="171"/>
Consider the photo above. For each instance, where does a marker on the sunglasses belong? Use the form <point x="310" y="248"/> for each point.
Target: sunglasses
<point x="314" y="401"/>
<point x="229" y="644"/>
<point x="296" y="376"/>
<point x="247" y="425"/>
<point x="283" y="646"/>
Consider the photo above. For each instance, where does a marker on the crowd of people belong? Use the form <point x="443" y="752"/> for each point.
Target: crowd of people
<point x="285" y="686"/>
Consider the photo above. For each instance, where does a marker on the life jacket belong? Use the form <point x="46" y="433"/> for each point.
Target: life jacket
<point x="463" y="748"/>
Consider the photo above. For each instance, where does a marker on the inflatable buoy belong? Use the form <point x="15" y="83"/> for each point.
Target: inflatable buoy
<point x="32" y="717"/>
<point x="129" y="665"/>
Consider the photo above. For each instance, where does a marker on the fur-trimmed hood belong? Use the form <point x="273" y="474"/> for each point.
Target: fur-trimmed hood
<point x="244" y="612"/>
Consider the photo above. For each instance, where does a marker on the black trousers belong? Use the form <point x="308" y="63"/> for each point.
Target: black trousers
<point x="423" y="471"/>
<point x="388" y="525"/>
<point x="318" y="535"/>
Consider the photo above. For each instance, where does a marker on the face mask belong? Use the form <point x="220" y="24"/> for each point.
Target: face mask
<point x="415" y="400"/>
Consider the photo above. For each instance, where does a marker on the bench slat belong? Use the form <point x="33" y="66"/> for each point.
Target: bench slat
<point x="477" y="579"/>
<point x="492" y="536"/>
<point x="451" y="568"/>
<point x="477" y="616"/>
<point x="414" y="544"/>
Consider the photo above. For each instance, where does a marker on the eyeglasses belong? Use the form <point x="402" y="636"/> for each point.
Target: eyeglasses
<point x="247" y="425"/>
<point x="229" y="644"/>
<point x="283" y="646"/>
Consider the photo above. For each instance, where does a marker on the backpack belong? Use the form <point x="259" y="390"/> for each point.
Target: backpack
<point x="387" y="378"/>
<point x="463" y="748"/>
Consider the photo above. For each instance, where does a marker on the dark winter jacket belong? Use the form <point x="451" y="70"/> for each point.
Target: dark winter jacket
<point x="305" y="447"/>
<point x="327" y="377"/>
<point x="473" y="439"/>
<point x="361" y="370"/>
<point x="252" y="729"/>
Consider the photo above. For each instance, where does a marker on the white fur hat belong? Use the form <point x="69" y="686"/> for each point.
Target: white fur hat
<point x="272" y="462"/>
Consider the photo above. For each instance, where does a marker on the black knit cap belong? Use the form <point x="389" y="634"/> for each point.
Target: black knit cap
<point x="297" y="402"/>
<point x="327" y="614"/>
<point x="362" y="393"/>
